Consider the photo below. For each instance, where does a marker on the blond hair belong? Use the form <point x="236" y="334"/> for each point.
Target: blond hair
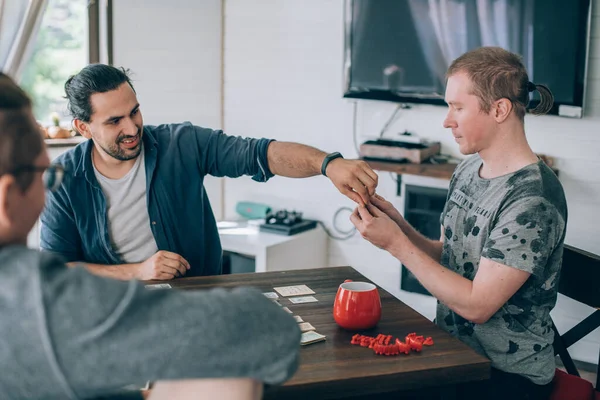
<point x="495" y="74"/>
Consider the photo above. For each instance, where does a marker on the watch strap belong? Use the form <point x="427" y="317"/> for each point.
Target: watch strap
<point x="328" y="159"/>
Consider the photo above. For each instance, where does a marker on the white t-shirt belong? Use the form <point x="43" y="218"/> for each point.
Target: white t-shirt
<point x="128" y="220"/>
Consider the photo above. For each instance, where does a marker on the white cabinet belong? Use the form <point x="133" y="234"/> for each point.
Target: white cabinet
<point x="272" y="252"/>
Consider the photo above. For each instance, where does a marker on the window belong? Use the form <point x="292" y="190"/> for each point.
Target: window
<point x="61" y="49"/>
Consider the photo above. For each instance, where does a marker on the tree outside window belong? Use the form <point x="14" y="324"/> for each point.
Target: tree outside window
<point x="61" y="50"/>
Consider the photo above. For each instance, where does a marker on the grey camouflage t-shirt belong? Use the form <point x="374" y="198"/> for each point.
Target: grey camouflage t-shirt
<point x="517" y="220"/>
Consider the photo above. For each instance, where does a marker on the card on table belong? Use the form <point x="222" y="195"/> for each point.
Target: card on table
<point x="311" y="337"/>
<point x="287" y="310"/>
<point x="158" y="286"/>
<point x="303" y="299"/>
<point x="305" y="327"/>
<point x="298" y="318"/>
<point x="298" y="290"/>
<point x="271" y="295"/>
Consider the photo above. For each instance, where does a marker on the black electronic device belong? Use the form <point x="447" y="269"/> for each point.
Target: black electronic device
<point x="399" y="50"/>
<point x="287" y="223"/>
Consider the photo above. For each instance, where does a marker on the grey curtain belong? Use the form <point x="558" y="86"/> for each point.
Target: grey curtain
<point x="19" y="24"/>
<point x="449" y="28"/>
<point x="508" y="24"/>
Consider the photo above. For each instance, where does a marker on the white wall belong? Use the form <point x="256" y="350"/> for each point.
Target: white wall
<point x="173" y="48"/>
<point x="283" y="79"/>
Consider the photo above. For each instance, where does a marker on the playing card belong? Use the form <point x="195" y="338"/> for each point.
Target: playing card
<point x="287" y="310"/>
<point x="303" y="299"/>
<point x="158" y="286"/>
<point x="271" y="295"/>
<point x="305" y="327"/>
<point x="311" y="337"/>
<point x="298" y="318"/>
<point x="298" y="290"/>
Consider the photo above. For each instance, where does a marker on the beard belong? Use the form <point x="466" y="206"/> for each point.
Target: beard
<point x="124" y="154"/>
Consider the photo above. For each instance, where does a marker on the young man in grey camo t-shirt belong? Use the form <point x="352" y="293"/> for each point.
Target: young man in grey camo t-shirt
<point x="496" y="266"/>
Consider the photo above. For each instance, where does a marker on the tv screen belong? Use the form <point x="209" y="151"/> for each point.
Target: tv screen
<point x="399" y="50"/>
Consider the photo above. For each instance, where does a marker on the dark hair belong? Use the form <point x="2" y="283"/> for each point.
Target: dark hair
<point x="20" y="136"/>
<point x="94" y="78"/>
<point x="12" y="97"/>
<point x="496" y="74"/>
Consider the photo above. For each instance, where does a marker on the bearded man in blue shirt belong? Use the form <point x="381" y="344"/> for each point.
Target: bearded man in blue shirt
<point x="133" y="204"/>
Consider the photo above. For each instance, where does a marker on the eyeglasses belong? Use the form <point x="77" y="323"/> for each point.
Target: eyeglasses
<point x="52" y="175"/>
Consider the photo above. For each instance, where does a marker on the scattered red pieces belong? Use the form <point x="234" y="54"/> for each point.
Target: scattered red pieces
<point x="403" y="347"/>
<point x="415" y="342"/>
<point x="387" y="349"/>
<point x="381" y="343"/>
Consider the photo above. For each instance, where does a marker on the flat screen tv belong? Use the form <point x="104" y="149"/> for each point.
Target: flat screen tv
<point x="399" y="50"/>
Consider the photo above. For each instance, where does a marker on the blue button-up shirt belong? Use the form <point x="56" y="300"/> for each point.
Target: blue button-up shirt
<point x="177" y="157"/>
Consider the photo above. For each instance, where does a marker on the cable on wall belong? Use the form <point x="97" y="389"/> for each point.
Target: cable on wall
<point x="343" y="234"/>
<point x="354" y="130"/>
<point x="401" y="106"/>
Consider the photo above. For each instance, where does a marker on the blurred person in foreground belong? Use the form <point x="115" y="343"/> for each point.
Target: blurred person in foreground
<point x="69" y="334"/>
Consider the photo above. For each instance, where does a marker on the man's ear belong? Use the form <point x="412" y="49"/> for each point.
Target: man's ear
<point x="83" y="128"/>
<point x="502" y="109"/>
<point x="8" y="186"/>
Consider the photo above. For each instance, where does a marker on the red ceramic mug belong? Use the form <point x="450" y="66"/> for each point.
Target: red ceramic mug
<point x="357" y="305"/>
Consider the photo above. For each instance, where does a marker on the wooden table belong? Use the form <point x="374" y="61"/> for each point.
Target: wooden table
<point x="337" y="369"/>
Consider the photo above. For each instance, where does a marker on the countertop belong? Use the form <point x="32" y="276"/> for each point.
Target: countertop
<point x="72" y="141"/>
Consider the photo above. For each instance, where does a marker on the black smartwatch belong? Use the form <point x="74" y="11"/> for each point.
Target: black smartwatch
<point x="328" y="159"/>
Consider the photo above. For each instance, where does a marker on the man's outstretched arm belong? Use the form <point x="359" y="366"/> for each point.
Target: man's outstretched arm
<point x="353" y="178"/>
<point x="233" y="156"/>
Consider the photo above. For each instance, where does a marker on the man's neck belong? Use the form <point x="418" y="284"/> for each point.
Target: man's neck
<point x="6" y="240"/>
<point x="109" y="166"/>
<point x="508" y="153"/>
